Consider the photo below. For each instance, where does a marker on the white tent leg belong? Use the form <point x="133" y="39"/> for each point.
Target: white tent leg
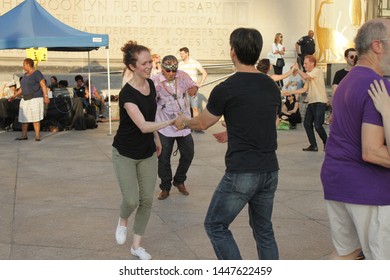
<point x="89" y="77"/>
<point x="109" y="90"/>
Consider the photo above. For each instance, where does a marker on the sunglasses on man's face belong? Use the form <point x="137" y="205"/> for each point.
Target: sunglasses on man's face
<point x="170" y="70"/>
<point x="170" y="67"/>
<point x="352" y="56"/>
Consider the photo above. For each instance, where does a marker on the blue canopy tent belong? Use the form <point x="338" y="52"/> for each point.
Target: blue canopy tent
<point x="29" y="25"/>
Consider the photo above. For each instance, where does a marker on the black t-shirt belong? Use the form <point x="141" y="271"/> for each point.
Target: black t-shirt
<point x="339" y="75"/>
<point x="248" y="102"/>
<point x="79" y="92"/>
<point x="290" y="106"/>
<point x="129" y="139"/>
<point x="307" y="44"/>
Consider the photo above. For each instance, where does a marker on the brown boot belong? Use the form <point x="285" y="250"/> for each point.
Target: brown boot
<point x="181" y="187"/>
<point x="163" y="195"/>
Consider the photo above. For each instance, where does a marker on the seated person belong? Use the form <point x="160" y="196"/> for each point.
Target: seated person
<point x="62" y="90"/>
<point x="264" y="66"/>
<point x="290" y="111"/>
<point x="96" y="98"/>
<point x="8" y="89"/>
<point x="7" y="111"/>
<point x="53" y="82"/>
<point x="63" y="84"/>
<point x="79" y="89"/>
<point x="294" y="81"/>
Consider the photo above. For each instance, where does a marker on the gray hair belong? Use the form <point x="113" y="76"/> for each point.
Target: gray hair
<point x="372" y="30"/>
<point x="169" y="60"/>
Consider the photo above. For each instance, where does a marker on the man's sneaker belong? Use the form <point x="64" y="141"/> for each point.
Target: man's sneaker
<point x="121" y="233"/>
<point x="141" y="253"/>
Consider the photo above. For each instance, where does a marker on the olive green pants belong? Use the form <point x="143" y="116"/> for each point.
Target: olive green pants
<point x="137" y="181"/>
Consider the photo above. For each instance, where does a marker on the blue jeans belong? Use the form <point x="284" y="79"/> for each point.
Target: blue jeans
<point x="186" y="149"/>
<point x="315" y="114"/>
<point x="232" y="194"/>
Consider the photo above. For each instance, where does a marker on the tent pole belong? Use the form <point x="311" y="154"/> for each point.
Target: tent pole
<point x="109" y="90"/>
<point x="89" y="77"/>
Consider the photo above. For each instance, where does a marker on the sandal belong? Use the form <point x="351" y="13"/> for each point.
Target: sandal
<point x="37" y="139"/>
<point x="21" y="138"/>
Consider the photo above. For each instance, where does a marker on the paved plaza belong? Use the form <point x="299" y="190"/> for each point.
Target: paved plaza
<point x="60" y="200"/>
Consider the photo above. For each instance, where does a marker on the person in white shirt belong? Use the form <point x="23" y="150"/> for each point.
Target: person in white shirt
<point x="278" y="49"/>
<point x="192" y="67"/>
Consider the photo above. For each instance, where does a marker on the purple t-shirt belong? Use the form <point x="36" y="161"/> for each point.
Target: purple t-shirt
<point x="345" y="176"/>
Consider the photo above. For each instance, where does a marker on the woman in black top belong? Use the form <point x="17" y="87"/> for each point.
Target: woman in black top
<point x="136" y="146"/>
<point x="290" y="111"/>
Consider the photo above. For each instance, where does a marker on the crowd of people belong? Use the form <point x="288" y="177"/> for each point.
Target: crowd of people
<point x="12" y="100"/>
<point x="250" y="102"/>
<point x="158" y="107"/>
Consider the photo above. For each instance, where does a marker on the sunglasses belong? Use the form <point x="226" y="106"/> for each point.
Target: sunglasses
<point x="289" y="95"/>
<point x="170" y="70"/>
<point x="352" y="56"/>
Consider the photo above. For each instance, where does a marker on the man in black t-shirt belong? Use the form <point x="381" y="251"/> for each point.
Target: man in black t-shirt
<point x="248" y="100"/>
<point x="305" y="46"/>
<point x="350" y="56"/>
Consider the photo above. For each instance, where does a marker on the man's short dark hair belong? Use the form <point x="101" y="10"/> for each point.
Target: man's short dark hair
<point x="78" y="78"/>
<point x="63" y="83"/>
<point x="184" y="49"/>
<point x="247" y="44"/>
<point x="349" y="50"/>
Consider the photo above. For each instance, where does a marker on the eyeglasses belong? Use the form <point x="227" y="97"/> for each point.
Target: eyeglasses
<point x="170" y="70"/>
<point x="352" y="56"/>
<point x="288" y="95"/>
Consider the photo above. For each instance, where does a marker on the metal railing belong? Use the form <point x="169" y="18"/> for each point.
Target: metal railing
<point x="383" y="8"/>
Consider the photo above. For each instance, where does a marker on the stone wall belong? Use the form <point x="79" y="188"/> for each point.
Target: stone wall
<point x="165" y="26"/>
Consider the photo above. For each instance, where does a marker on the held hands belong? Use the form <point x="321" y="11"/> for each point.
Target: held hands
<point x="180" y="122"/>
<point x="285" y="92"/>
<point x="380" y="96"/>
<point x="222" y="137"/>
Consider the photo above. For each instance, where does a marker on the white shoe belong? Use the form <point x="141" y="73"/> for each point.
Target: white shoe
<point x="121" y="233"/>
<point x="141" y="253"/>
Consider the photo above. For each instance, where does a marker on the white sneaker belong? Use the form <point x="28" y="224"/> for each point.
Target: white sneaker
<point x="141" y="253"/>
<point x="121" y="233"/>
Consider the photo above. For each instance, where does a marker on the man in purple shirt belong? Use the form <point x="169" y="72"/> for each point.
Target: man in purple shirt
<point x="172" y="87"/>
<point x="356" y="171"/>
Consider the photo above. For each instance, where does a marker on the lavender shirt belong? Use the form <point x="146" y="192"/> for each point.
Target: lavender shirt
<point x="172" y="99"/>
<point x="345" y="176"/>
